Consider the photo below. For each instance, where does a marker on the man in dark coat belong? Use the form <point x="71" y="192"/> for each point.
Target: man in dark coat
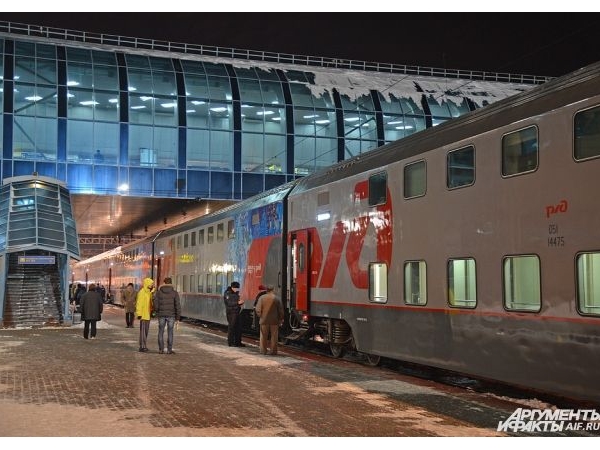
<point x="168" y="309"/>
<point x="233" y="306"/>
<point x="91" y="310"/>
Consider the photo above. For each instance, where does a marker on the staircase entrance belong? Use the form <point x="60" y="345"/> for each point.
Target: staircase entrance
<point x="33" y="295"/>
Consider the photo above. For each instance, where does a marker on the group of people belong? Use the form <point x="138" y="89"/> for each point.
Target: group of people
<point x="165" y="304"/>
<point x="144" y="304"/>
<point x="268" y="308"/>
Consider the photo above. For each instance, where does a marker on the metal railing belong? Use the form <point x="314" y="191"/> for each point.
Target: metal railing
<point x="44" y="32"/>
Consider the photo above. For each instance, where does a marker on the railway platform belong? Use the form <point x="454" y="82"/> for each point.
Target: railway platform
<point x="54" y="383"/>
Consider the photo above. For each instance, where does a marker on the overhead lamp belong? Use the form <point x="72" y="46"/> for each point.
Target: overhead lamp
<point x="72" y="83"/>
<point x="138" y="107"/>
<point x="33" y="98"/>
<point x="265" y="113"/>
<point x="395" y="122"/>
<point x="310" y="116"/>
<point x="352" y="119"/>
<point x="198" y="102"/>
<point x="218" y="109"/>
<point x="113" y="100"/>
<point x="145" y="98"/>
<point x="89" y="103"/>
<point x="322" y="121"/>
<point x="131" y="89"/>
<point x="169" y="105"/>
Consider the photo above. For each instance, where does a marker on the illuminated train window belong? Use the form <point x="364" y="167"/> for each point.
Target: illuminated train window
<point x="415" y="283"/>
<point x="462" y="283"/>
<point x="588" y="283"/>
<point x="521" y="282"/>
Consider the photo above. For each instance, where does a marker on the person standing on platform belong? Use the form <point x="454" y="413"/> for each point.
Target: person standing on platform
<point x="143" y="310"/>
<point x="91" y="311"/>
<point x="269" y="309"/>
<point x="168" y="309"/>
<point x="233" y="307"/>
<point x="128" y="299"/>
<point x="262" y="289"/>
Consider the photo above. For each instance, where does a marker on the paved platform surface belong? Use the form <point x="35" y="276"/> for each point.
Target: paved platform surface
<point x="55" y="383"/>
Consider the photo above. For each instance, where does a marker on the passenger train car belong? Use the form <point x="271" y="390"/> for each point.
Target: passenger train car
<point x="473" y="246"/>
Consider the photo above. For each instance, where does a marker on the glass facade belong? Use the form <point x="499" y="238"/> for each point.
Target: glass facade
<point x="132" y="122"/>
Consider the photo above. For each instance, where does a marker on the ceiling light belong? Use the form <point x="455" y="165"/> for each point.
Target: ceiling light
<point x="198" y="102"/>
<point x="169" y="105"/>
<point x="72" y="83"/>
<point x="89" y="103"/>
<point x="218" y="109"/>
<point x="138" y="107"/>
<point x="322" y="121"/>
<point x="352" y="119"/>
<point x="33" y="98"/>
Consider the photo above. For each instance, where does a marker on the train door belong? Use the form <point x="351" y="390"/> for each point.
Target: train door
<point x="300" y="270"/>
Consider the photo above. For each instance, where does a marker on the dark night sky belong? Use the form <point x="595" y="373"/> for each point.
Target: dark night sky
<point x="550" y="44"/>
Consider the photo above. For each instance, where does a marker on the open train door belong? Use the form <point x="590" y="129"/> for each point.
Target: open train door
<point x="300" y="270"/>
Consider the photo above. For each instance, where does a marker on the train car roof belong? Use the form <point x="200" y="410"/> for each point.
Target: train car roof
<point x="551" y="95"/>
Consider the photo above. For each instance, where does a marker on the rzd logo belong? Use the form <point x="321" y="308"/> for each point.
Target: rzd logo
<point x="352" y="233"/>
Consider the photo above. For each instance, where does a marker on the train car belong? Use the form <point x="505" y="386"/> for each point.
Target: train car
<point x="243" y="242"/>
<point x="473" y="246"/>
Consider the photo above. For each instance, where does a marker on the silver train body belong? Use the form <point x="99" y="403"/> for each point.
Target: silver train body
<point x="473" y="246"/>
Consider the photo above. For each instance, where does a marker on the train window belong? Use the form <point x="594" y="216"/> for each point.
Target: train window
<point x="193" y="235"/>
<point x="255" y="218"/>
<point x="378" y="282"/>
<point x="460" y="167"/>
<point x="520" y="151"/>
<point x="200" y="284"/>
<point x="211" y="235"/>
<point x="200" y="237"/>
<point x="184" y="284"/>
<point x="186" y="240"/>
<point x="209" y="285"/>
<point x="521" y="279"/>
<point x="178" y="242"/>
<point x="378" y="189"/>
<point x="415" y="283"/>
<point x="588" y="283"/>
<point x="587" y="134"/>
<point x="323" y="198"/>
<point x="220" y="232"/>
<point x="230" y="230"/>
<point x="462" y="283"/>
<point x="415" y="179"/>
<point x="192" y="283"/>
<point x="219" y="286"/>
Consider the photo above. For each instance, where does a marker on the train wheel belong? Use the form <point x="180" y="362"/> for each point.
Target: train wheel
<point x="372" y="360"/>
<point x="337" y="350"/>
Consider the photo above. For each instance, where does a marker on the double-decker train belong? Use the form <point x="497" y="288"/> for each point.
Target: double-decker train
<point x="473" y="246"/>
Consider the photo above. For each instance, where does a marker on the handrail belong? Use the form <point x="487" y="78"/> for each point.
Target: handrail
<point x="256" y="55"/>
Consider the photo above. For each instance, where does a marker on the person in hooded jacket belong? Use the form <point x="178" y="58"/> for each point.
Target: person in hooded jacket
<point x="143" y="309"/>
<point x="168" y="309"/>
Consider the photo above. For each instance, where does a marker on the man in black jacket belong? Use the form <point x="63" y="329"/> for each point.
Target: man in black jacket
<point x="91" y="311"/>
<point x="233" y="306"/>
<point x="168" y="309"/>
